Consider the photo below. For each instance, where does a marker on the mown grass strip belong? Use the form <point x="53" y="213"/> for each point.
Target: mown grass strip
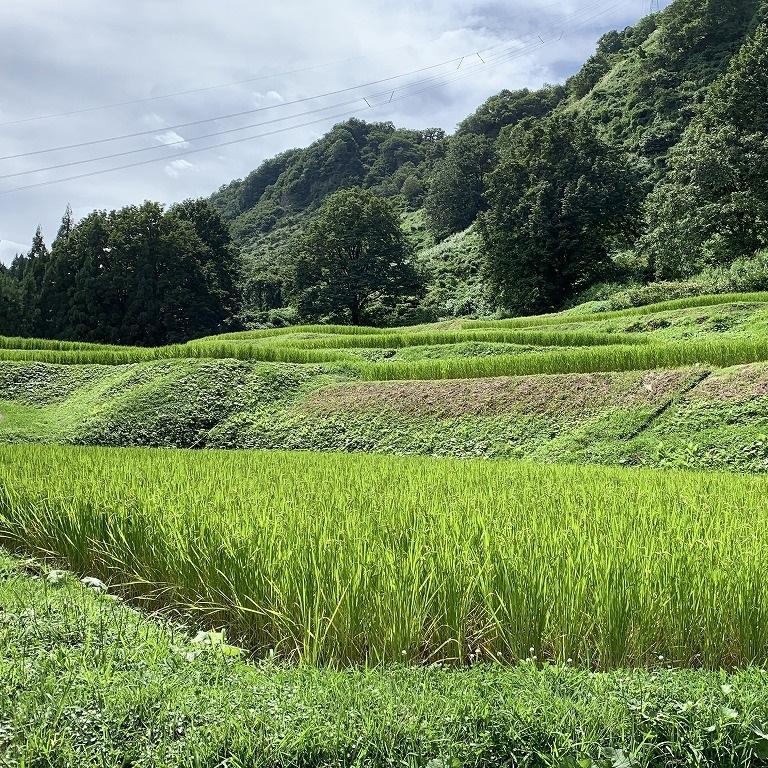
<point x="349" y="559"/>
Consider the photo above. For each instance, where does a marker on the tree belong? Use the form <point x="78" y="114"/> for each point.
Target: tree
<point x="353" y="256"/>
<point x="508" y="108"/>
<point x="9" y="304"/>
<point x="455" y="194"/>
<point x="219" y="259"/>
<point x="559" y="199"/>
<point x="413" y="191"/>
<point x="139" y="275"/>
<point x="28" y="272"/>
<point x="713" y="206"/>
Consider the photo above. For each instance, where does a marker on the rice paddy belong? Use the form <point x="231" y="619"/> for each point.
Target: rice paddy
<point x="338" y="560"/>
<point x="541" y="346"/>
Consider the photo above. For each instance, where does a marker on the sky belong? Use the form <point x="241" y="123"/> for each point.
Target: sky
<point x="290" y="69"/>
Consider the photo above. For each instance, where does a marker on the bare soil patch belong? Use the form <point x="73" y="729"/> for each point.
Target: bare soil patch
<point x="495" y="396"/>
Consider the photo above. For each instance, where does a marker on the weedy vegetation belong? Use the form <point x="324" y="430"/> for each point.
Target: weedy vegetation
<point x="85" y="680"/>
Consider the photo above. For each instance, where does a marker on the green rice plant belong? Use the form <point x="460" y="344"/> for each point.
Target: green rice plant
<point x="124" y="355"/>
<point x="500" y="336"/>
<point x="83" y="677"/>
<point x="559" y="318"/>
<point x="18" y="342"/>
<point x="263" y="333"/>
<point x="346" y="559"/>
<point x="717" y="353"/>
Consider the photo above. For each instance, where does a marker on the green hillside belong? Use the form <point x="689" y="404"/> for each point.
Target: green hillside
<point x="642" y="91"/>
<point x="645" y="169"/>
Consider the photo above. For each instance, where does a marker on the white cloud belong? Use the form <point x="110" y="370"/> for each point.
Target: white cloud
<point x="177" y="167"/>
<point x="171" y="138"/>
<point x="269" y="97"/>
<point x="160" y="48"/>
<point x="8" y="249"/>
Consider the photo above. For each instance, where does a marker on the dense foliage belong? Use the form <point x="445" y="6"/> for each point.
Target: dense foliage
<point x="354" y="259"/>
<point x="713" y="206"/>
<point x="140" y="275"/>
<point x="656" y="98"/>
<point x="560" y="199"/>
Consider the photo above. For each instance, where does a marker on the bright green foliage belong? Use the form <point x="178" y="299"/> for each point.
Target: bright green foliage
<point x="132" y="691"/>
<point x="713" y="206"/>
<point x="644" y="84"/>
<point x="453" y="277"/>
<point x="560" y="198"/>
<point x="354" y="260"/>
<point x="346" y="559"/>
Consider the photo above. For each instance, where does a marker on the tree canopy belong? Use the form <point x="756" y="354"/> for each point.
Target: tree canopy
<point x="139" y="275"/>
<point x="559" y="198"/>
<point x="354" y="259"/>
<point x="713" y="207"/>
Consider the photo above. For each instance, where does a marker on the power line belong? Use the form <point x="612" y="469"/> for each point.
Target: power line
<point x="243" y="113"/>
<point x="230" y="116"/>
<point x="187" y="92"/>
<point x="346" y="113"/>
<point x="218" y="86"/>
<point x="367" y="99"/>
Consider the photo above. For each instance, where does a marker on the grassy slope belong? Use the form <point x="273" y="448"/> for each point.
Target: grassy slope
<point x="85" y="681"/>
<point x="695" y="417"/>
<point x="691" y="417"/>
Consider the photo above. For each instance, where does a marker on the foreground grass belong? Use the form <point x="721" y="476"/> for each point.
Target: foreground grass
<point x="86" y="681"/>
<point x="348" y="559"/>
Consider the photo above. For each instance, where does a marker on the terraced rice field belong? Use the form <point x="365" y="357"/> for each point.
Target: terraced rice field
<point x="562" y="343"/>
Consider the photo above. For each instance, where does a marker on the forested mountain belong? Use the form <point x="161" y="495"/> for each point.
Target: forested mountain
<point x="650" y="163"/>
<point x="641" y="102"/>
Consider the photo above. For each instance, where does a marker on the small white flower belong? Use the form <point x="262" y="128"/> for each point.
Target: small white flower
<point x="56" y="577"/>
<point x="94" y="583"/>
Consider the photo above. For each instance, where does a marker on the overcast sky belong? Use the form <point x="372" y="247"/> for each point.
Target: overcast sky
<point x="70" y="56"/>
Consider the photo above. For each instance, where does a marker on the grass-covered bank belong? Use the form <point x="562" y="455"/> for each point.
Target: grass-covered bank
<point x="687" y="418"/>
<point x="85" y="681"/>
<point x="342" y="559"/>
